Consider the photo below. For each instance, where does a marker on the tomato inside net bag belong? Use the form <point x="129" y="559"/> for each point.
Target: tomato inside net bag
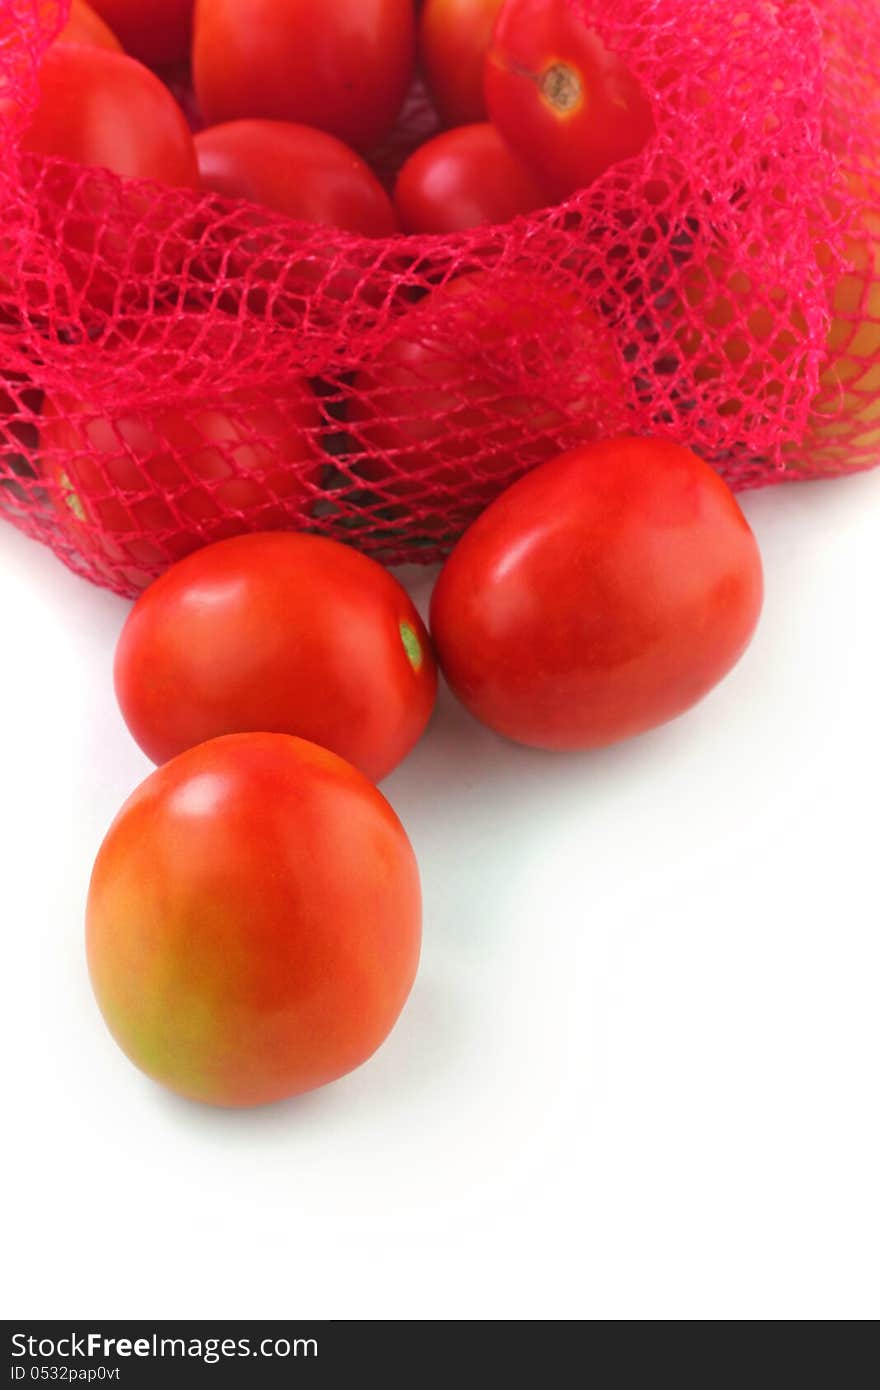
<point x="176" y="368"/>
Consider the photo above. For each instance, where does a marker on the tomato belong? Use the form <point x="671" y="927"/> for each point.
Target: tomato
<point x="104" y="110"/>
<point x="434" y="408"/>
<point x="343" y="67"/>
<point x="302" y="173"/>
<point x="466" y="177"/>
<point x="566" y="104"/>
<point x="603" y="594"/>
<point x="454" y="40"/>
<point x="85" y="26"/>
<point x="157" y="32"/>
<point x="253" y="921"/>
<point x="280" y="633"/>
<point x="139" y="490"/>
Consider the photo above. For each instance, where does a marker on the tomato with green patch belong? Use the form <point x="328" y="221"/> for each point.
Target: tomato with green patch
<point x="284" y="633"/>
<point x="254" y="921"/>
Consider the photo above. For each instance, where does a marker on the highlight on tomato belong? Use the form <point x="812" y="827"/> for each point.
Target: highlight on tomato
<point x="344" y="68"/>
<point x="295" y="170"/>
<point x="454" y="38"/>
<point x="254" y="921"/>
<point x="281" y="633"/>
<point x="85" y="25"/>
<point x="467" y="177"/>
<point x="568" y="106"/>
<point x="603" y="594"/>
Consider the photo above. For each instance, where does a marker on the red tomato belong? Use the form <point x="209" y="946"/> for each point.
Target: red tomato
<point x="297" y="171"/>
<point x="566" y="104"/>
<point x="142" y="490"/>
<point x="104" y="110"/>
<point x="454" y="39"/>
<point x="281" y="633"/>
<point x="254" y="921"/>
<point x="343" y="67"/>
<point x="435" y="406"/>
<point x="85" y="26"/>
<point x="156" y="31"/>
<point x="603" y="594"/>
<point x="466" y="177"/>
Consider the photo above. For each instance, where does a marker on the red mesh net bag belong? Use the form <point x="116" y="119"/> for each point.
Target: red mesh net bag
<point x="176" y="368"/>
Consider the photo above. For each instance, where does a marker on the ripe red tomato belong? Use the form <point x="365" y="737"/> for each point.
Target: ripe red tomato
<point x="344" y="68"/>
<point x="253" y="921"/>
<point x="302" y="173"/>
<point x="104" y="110"/>
<point x="437" y="414"/>
<point x="85" y="26"/>
<point x="603" y="594"/>
<point x="566" y="104"/>
<point x="281" y="633"/>
<point x="157" y="32"/>
<point x="468" y="177"/>
<point x="140" y="491"/>
<point x="454" y="40"/>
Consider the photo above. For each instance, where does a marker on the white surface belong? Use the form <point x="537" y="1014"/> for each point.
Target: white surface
<point x="638" y="1076"/>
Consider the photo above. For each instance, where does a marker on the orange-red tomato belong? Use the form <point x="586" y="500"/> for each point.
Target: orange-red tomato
<point x="280" y="633"/>
<point x="601" y="595"/>
<point x="302" y="173"/>
<point x="566" y="104"/>
<point x="253" y="921"/>
<point x="138" y="491"/>
<point x="454" y="40"/>
<point x="86" y="26"/>
<point x="157" y="32"/>
<point x="344" y="67"/>
<point x="467" y="177"/>
<point x="436" y="415"/>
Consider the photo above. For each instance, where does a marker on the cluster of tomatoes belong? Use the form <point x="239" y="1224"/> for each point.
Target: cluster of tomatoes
<point x="254" y="916"/>
<point x="295" y="92"/>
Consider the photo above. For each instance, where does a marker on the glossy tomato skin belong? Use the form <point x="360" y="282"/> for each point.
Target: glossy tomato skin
<point x="85" y="25"/>
<point x="603" y="594"/>
<point x="141" y="490"/>
<point x="105" y="110"/>
<point x="568" y="106"/>
<point x="285" y="633"/>
<point x="158" y="32"/>
<point x="294" y="170"/>
<point x="253" y="921"/>
<point x="454" y="38"/>
<point x="429" y="404"/>
<point x="467" y="177"/>
<point x="343" y="68"/>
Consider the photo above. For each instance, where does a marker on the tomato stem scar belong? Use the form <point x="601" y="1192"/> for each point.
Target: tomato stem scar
<point x="562" y="88"/>
<point x="411" y="645"/>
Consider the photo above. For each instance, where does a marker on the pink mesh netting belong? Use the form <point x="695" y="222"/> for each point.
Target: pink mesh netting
<point x="176" y="368"/>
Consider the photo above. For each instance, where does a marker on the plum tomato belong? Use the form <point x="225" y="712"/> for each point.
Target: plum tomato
<point x="254" y="921"/>
<point x="568" y="106"/>
<point x="344" y="68"/>
<point x="105" y="110"/>
<point x="433" y="410"/>
<point x="467" y="177"/>
<point x="283" y="633"/>
<point x="158" y="32"/>
<point x="454" y="40"/>
<point x="603" y="594"/>
<point x="85" y="25"/>
<point x="303" y="173"/>
<point x="137" y="491"/>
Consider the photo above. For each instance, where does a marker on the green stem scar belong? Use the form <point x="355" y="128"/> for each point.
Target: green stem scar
<point x="411" y="645"/>
<point x="562" y="88"/>
<point x="71" y="497"/>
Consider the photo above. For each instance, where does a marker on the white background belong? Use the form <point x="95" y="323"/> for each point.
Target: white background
<point x="638" y="1075"/>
